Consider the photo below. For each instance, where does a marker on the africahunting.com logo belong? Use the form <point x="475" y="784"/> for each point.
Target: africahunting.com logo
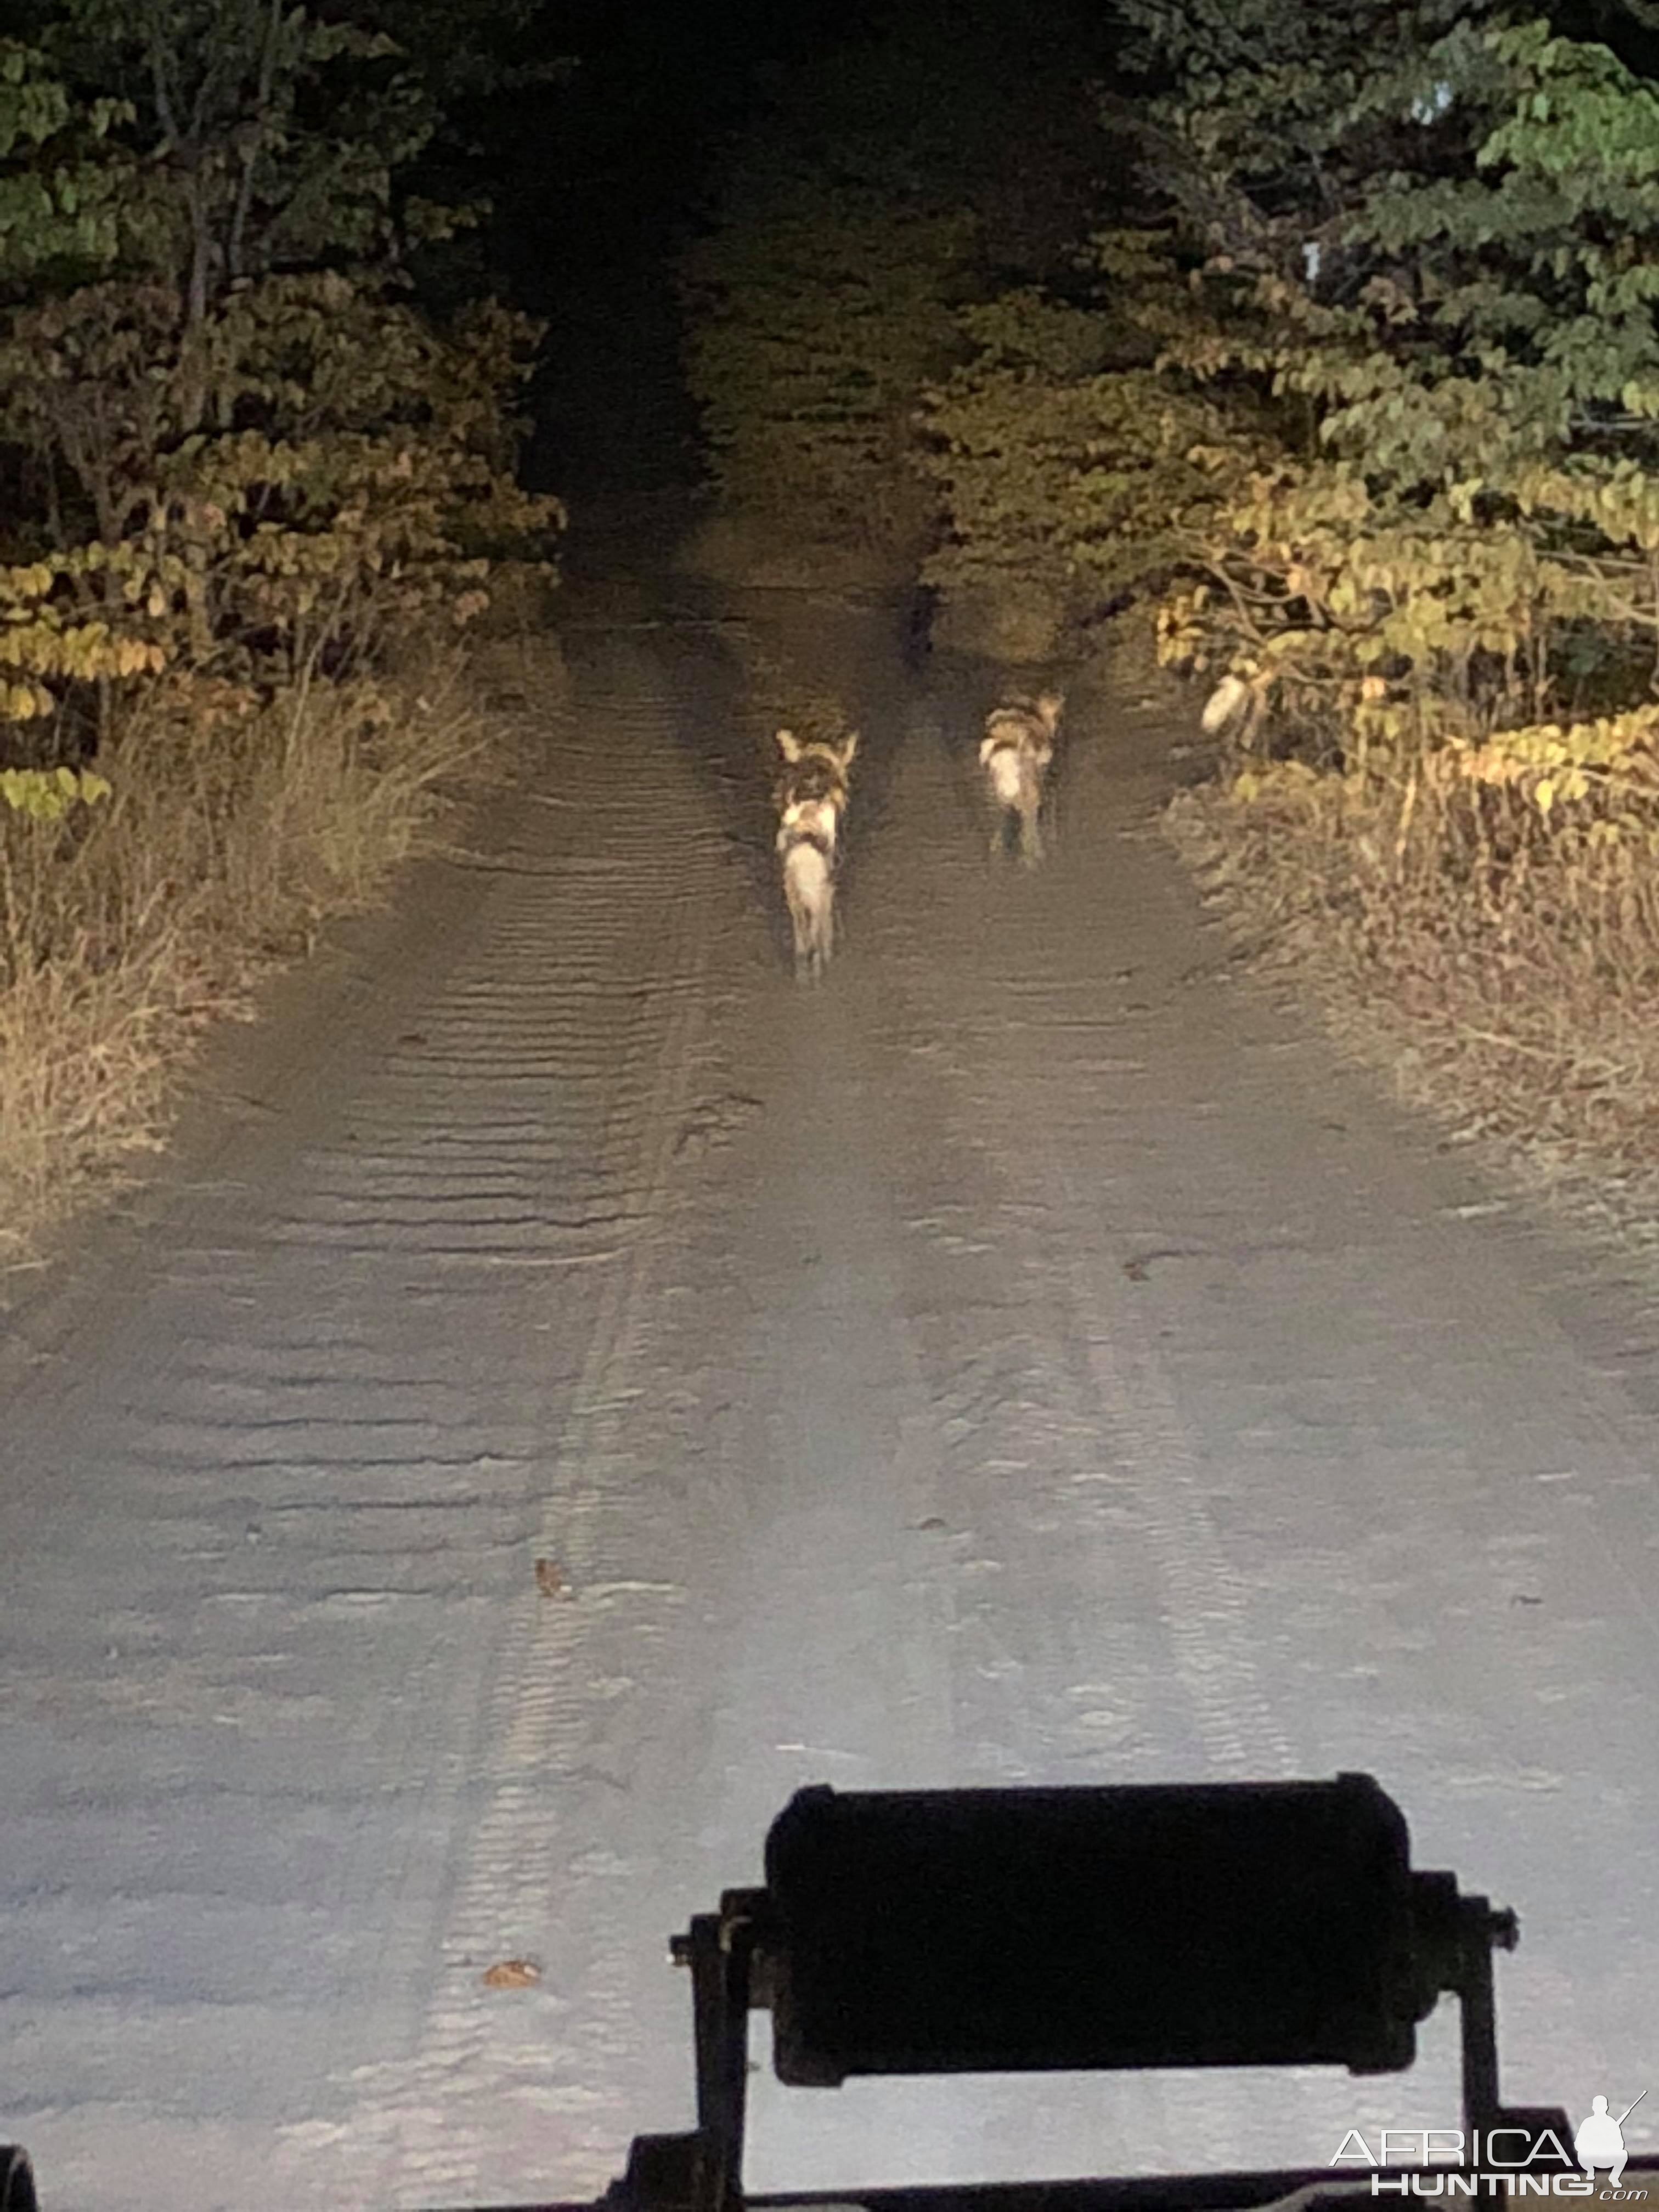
<point x="1514" y="2162"/>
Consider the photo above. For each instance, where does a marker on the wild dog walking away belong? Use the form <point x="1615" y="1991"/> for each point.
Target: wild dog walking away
<point x="811" y="794"/>
<point x="1015" y="752"/>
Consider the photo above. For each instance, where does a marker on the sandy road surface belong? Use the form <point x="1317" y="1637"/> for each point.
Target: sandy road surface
<point x="1028" y="1358"/>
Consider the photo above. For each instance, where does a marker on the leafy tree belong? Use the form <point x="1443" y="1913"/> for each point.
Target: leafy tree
<point x="62" y="193"/>
<point x="1451" y="288"/>
<point x="250" y="447"/>
<point x="1070" y="468"/>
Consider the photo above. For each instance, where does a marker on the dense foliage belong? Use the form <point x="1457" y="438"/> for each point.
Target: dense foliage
<point x="869" y="202"/>
<point x="1370" y="396"/>
<point x="1456" y="319"/>
<point x="238" y="455"/>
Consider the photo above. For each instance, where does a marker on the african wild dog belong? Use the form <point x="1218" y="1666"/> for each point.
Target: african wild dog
<point x="811" y="794"/>
<point x="1016" y="752"/>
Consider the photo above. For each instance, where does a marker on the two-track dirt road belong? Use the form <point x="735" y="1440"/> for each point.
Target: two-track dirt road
<point x="1027" y="1358"/>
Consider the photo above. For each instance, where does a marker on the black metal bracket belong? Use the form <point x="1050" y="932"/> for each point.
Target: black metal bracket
<point x="741" y="1957"/>
<point x="720" y="1949"/>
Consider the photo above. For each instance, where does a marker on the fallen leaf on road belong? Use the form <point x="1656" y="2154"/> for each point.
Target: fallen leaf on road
<point x="512" y="1974"/>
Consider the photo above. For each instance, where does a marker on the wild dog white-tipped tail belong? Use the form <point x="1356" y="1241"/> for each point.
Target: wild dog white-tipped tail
<point x="1006" y="771"/>
<point x="809" y="888"/>
<point x="1225" y="705"/>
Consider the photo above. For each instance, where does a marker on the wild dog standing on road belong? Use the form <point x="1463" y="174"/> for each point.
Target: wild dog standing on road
<point x="1015" y="752"/>
<point x="812" y="795"/>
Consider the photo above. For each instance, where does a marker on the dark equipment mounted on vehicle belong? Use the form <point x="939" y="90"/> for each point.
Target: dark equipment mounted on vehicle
<point x="940" y="1932"/>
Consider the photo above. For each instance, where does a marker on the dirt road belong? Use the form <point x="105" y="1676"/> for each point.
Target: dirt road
<point x="1028" y="1358"/>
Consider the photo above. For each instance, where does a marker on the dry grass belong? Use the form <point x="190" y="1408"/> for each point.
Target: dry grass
<point x="1505" y="978"/>
<point x="130" y="927"/>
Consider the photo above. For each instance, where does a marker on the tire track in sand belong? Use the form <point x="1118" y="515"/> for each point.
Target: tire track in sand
<point x="430" y="2125"/>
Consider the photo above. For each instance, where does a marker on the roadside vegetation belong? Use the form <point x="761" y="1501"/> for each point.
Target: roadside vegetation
<point x="1344" y="398"/>
<point x="872" y="200"/>
<point x="256" y="446"/>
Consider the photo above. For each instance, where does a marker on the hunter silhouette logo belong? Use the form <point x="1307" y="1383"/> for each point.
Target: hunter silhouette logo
<point x="1506" y="2159"/>
<point x="1601" y="2140"/>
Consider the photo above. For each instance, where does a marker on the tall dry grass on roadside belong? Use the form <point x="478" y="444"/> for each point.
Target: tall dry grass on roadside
<point x="231" y="833"/>
<point x="1504" y="968"/>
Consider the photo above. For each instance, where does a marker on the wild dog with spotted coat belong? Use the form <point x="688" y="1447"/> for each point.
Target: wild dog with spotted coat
<point x="1016" y="753"/>
<point x="811" y="794"/>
